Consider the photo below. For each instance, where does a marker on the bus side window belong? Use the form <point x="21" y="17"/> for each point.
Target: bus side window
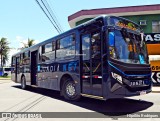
<point x="48" y="52"/>
<point x="13" y="60"/>
<point x="86" y="53"/>
<point x="40" y="54"/>
<point x="96" y="45"/>
<point x="86" y="47"/>
<point x="65" y="47"/>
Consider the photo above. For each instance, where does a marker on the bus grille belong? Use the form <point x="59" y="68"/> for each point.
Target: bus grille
<point x="137" y="72"/>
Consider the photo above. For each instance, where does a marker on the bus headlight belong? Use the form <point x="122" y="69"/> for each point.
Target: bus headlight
<point x="117" y="77"/>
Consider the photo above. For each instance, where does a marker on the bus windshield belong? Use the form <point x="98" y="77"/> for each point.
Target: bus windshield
<point x="129" y="48"/>
<point x="7" y="69"/>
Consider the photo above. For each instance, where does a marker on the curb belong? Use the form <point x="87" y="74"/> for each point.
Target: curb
<point x="5" y="78"/>
<point x="155" y="92"/>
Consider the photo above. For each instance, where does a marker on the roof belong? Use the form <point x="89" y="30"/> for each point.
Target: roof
<point x="117" y="11"/>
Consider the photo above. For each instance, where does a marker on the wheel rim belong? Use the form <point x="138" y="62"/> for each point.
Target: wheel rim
<point x="70" y="90"/>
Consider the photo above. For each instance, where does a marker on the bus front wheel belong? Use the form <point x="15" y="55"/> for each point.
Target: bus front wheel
<point x="69" y="90"/>
<point x="23" y="82"/>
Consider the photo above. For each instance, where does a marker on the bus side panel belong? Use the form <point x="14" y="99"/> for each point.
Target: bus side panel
<point x="26" y="72"/>
<point x="71" y="69"/>
<point x="45" y="77"/>
<point x="49" y="75"/>
<point x="13" y="69"/>
<point x="13" y="76"/>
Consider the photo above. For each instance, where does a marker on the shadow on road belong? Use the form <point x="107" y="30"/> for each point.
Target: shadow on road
<point x="111" y="107"/>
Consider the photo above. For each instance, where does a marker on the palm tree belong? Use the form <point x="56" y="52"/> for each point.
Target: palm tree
<point x="4" y="50"/>
<point x="29" y="43"/>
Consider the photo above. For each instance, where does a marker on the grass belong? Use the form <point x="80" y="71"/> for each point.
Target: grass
<point x="3" y="77"/>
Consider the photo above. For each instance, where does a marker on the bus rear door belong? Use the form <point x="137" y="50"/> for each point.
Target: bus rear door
<point x="34" y="67"/>
<point x="17" y="70"/>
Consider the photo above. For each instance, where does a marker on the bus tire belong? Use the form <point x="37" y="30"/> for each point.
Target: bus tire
<point x="23" y="82"/>
<point x="69" y="90"/>
<point x="5" y="75"/>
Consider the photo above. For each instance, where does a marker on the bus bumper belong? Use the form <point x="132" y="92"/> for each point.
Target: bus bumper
<point x="123" y="91"/>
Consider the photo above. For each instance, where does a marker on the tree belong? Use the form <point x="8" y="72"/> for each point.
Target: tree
<point x="4" y="50"/>
<point x="29" y="43"/>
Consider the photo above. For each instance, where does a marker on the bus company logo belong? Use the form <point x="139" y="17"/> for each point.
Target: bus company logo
<point x="6" y="115"/>
<point x="47" y="68"/>
<point x="71" y="66"/>
<point x="21" y="115"/>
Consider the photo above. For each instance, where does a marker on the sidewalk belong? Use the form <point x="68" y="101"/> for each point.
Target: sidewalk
<point x="5" y="78"/>
<point x="156" y="89"/>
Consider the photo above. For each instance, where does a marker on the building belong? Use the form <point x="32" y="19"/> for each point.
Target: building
<point x="148" y="16"/>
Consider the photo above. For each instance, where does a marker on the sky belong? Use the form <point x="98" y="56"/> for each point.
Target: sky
<point x="23" y="19"/>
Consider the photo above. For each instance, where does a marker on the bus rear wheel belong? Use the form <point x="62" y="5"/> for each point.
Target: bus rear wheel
<point x="23" y="82"/>
<point x="69" y="90"/>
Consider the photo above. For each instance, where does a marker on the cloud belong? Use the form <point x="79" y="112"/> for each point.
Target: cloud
<point x="22" y="40"/>
<point x="15" y="46"/>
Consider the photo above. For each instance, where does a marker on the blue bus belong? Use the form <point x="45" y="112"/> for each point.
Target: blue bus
<point x="5" y="71"/>
<point x="1" y="71"/>
<point x="103" y="58"/>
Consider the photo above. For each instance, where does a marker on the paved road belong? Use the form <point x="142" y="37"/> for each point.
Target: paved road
<point x="14" y="99"/>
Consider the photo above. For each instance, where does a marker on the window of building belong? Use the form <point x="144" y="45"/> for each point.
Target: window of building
<point x="155" y="26"/>
<point x="66" y="47"/>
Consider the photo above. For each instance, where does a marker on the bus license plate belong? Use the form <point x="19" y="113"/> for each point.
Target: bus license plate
<point x="142" y="92"/>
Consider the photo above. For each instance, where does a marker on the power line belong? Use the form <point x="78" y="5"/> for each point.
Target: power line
<point x="51" y="15"/>
<point x="54" y="14"/>
<point x="48" y="16"/>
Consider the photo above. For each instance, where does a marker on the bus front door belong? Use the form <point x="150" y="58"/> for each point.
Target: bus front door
<point x="91" y="66"/>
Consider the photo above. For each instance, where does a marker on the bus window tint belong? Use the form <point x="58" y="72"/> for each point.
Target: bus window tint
<point x="7" y="69"/>
<point x="86" y="47"/>
<point x="48" y="47"/>
<point x="26" y="58"/>
<point x="48" y="52"/>
<point x="66" y="47"/>
<point x="13" y="60"/>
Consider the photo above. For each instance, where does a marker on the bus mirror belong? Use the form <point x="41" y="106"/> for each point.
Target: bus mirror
<point x="96" y="36"/>
<point x="142" y="36"/>
<point x="111" y="38"/>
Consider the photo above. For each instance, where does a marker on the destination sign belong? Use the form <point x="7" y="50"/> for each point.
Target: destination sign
<point x="128" y="25"/>
<point x="124" y="23"/>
